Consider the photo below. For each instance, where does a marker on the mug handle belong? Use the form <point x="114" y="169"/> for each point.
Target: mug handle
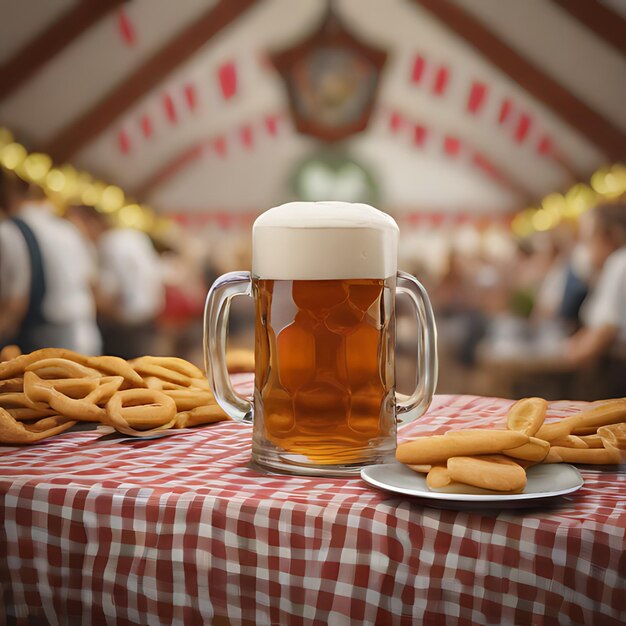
<point x="216" y="311"/>
<point x="418" y="402"/>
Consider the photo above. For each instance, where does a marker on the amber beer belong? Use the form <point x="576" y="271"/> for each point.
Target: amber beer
<point x="324" y="280"/>
<point x="324" y="367"/>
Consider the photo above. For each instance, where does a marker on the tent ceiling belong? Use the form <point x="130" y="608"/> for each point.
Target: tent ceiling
<point x="451" y="130"/>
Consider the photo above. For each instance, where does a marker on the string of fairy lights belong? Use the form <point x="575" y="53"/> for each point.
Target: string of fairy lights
<point x="65" y="185"/>
<point x="606" y="184"/>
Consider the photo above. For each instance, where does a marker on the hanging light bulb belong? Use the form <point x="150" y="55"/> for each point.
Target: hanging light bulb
<point x="55" y="180"/>
<point x="12" y="155"/>
<point x="112" y="199"/>
<point x="36" y="166"/>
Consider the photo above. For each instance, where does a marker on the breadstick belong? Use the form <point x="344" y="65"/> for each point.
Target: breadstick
<point x="586" y="422"/>
<point x="609" y="412"/>
<point x="591" y="456"/>
<point x="439" y="448"/>
<point x="527" y="415"/>
<point x="591" y="441"/>
<point x="571" y="441"/>
<point x="559" y="429"/>
<point x="460" y="488"/>
<point x="496" y="473"/>
<point x="438" y="477"/>
<point x="535" y="450"/>
<point x="420" y="469"/>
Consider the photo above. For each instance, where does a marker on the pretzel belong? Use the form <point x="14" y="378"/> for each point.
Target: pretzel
<point x="200" y="415"/>
<point x="9" y="352"/>
<point x="439" y="448"/>
<point x="171" y="363"/>
<point x="17" y="366"/>
<point x="14" y="432"/>
<point x="527" y="415"/>
<point x="140" y="412"/>
<point x="12" y="384"/>
<point x="19" y="400"/>
<point x="84" y="409"/>
<point x="114" y="366"/>
<point x="109" y="365"/>
<point x="25" y="414"/>
<point x="56" y="367"/>
<point x="187" y="399"/>
<point x="170" y="369"/>
<point x="75" y="388"/>
<point x="154" y="382"/>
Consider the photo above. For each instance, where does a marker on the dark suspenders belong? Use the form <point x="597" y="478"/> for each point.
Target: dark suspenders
<point x="34" y="315"/>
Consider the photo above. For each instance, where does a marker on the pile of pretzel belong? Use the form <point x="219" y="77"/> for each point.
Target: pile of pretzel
<point x="48" y="391"/>
<point x="495" y="461"/>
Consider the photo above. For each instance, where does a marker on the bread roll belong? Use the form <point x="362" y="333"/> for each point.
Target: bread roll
<point x="527" y="415"/>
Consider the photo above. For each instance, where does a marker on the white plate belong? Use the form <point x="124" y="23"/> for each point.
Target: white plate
<point x="544" y="481"/>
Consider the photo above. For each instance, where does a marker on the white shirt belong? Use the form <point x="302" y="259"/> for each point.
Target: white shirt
<point x="130" y="271"/>
<point x="68" y="272"/>
<point x="606" y="304"/>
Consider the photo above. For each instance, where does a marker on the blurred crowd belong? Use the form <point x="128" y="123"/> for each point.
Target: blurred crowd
<point x="548" y="319"/>
<point x="80" y="281"/>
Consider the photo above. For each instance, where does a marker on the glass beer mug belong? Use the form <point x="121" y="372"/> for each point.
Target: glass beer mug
<point x="324" y="280"/>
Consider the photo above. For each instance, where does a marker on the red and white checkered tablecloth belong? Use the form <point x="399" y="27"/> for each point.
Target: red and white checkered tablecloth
<point x="180" y="530"/>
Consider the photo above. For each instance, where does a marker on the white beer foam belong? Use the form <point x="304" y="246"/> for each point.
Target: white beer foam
<point x="324" y="241"/>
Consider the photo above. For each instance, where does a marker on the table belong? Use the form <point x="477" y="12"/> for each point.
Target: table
<point x="181" y="530"/>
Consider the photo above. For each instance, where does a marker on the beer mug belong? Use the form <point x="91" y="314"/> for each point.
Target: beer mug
<point x="324" y="280"/>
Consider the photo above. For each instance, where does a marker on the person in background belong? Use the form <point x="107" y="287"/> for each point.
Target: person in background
<point x="46" y="275"/>
<point x="563" y="289"/>
<point x="603" y="332"/>
<point x="130" y="286"/>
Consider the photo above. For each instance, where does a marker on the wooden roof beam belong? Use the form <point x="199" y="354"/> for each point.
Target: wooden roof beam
<point x="142" y="80"/>
<point x="46" y="45"/>
<point x="568" y="107"/>
<point x="608" y="25"/>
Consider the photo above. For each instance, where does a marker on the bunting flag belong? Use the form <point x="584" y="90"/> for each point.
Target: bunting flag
<point x="243" y="219"/>
<point x="126" y="29"/>
<point x="179" y="102"/>
<point x="448" y="144"/>
<point x="222" y="145"/>
<point x="510" y="116"/>
<point x="227" y="76"/>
